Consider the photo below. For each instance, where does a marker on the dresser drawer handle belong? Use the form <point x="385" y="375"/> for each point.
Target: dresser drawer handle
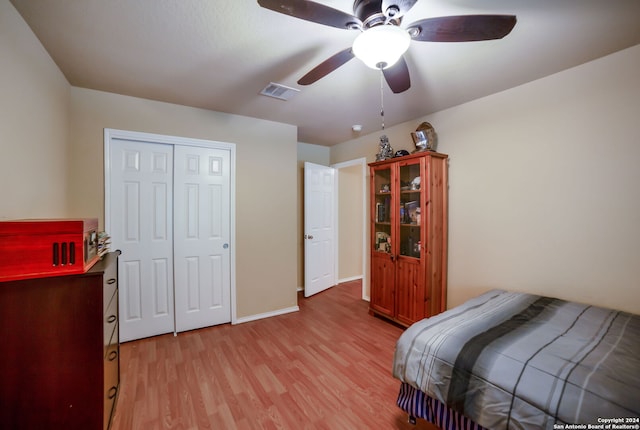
<point x="112" y="392"/>
<point x="111" y="281"/>
<point x="112" y="355"/>
<point x="112" y="319"/>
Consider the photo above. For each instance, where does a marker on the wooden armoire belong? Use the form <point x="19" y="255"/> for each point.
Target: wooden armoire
<point x="409" y="236"/>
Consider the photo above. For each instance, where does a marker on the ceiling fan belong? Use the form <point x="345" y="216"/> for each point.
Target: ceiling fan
<point x="382" y="42"/>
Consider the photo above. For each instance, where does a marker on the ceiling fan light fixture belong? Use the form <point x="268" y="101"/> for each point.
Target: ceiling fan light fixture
<point x="381" y="46"/>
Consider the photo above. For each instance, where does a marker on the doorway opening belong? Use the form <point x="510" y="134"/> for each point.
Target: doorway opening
<point x="352" y="223"/>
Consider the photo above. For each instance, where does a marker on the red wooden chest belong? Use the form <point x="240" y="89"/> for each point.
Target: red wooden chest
<point x="34" y="248"/>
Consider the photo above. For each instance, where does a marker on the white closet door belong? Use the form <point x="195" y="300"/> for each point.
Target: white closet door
<point x="201" y="237"/>
<point x="141" y="210"/>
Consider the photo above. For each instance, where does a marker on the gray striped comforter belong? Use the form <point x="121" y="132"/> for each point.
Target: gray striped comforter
<point x="520" y="361"/>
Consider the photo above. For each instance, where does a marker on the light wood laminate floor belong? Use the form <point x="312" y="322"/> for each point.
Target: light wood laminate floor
<point x="327" y="366"/>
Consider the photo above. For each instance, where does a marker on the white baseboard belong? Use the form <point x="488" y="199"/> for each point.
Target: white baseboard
<point x="266" y="315"/>
<point x="352" y="278"/>
<point x="340" y="281"/>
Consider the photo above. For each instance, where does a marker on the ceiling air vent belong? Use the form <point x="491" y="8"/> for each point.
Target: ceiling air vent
<point x="279" y="91"/>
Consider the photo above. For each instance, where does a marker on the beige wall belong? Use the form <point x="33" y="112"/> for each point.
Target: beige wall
<point x="265" y="182"/>
<point x="350" y="222"/>
<point x="34" y="117"/>
<point x="544" y="185"/>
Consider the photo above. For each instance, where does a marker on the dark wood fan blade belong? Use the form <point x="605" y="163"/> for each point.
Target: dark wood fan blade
<point x="464" y="28"/>
<point x="397" y="76"/>
<point x="396" y="8"/>
<point x="326" y="67"/>
<point x="314" y="12"/>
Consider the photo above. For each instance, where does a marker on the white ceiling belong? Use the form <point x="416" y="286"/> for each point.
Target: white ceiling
<point x="219" y="55"/>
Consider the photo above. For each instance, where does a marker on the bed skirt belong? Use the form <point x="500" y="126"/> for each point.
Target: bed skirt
<point x="418" y="404"/>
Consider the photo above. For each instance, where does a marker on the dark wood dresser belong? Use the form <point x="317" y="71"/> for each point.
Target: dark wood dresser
<point x="59" y="359"/>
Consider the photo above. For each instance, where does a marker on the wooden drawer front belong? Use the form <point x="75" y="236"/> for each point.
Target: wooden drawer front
<point x="111" y="381"/>
<point x="110" y="323"/>
<point x="109" y="290"/>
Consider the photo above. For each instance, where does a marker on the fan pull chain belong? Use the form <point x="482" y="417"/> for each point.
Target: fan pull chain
<point x="385" y="149"/>
<point x="382" y="97"/>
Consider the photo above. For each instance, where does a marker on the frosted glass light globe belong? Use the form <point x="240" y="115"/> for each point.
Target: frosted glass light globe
<point x="381" y="46"/>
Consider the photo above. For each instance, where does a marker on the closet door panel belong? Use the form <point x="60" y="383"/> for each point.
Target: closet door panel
<point x="201" y="237"/>
<point x="141" y="184"/>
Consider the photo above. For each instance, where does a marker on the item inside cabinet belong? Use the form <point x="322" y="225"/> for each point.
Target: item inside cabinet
<point x="410" y="242"/>
<point x="411" y="212"/>
<point x="383" y="241"/>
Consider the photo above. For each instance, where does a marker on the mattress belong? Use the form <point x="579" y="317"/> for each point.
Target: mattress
<point x="511" y="360"/>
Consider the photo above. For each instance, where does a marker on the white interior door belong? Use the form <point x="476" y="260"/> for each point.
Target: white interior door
<point x="141" y="215"/>
<point x="201" y="237"/>
<point x="319" y="228"/>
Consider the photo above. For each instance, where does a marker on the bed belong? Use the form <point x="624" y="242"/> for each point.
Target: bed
<point x="507" y="360"/>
